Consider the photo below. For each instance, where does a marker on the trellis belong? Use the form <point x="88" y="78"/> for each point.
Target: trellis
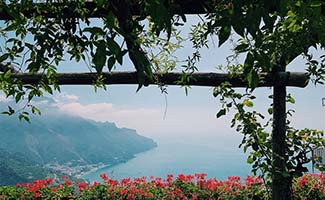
<point x="278" y="80"/>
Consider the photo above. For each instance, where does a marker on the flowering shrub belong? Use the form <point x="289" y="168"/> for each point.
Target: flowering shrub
<point x="310" y="186"/>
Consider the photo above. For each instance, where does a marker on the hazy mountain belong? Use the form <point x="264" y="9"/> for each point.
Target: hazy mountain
<point x="69" y="140"/>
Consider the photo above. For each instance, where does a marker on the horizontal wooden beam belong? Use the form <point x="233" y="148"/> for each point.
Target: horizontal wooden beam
<point x="181" y="7"/>
<point x="294" y="79"/>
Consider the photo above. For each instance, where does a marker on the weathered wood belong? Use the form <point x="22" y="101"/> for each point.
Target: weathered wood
<point x="180" y="7"/>
<point x="295" y="79"/>
<point x="281" y="184"/>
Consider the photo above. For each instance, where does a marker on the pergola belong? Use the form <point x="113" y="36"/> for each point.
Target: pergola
<point x="279" y="80"/>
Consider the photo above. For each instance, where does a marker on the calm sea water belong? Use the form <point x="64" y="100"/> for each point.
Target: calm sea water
<point x="218" y="156"/>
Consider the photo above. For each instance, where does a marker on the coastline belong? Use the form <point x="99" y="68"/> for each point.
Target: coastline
<point x="102" y="166"/>
<point x="93" y="169"/>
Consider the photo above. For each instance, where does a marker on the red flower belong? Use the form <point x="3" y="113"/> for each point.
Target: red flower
<point x="112" y="182"/>
<point x="170" y="178"/>
<point x="149" y="194"/>
<point x="53" y="189"/>
<point x="182" y="177"/>
<point x="201" y="175"/>
<point x="252" y="180"/>
<point x="37" y="194"/>
<point x="123" y="191"/>
<point x="140" y="180"/>
<point x="95" y="184"/>
<point x="194" y="197"/>
<point x="190" y="178"/>
<point x="68" y="183"/>
<point x="213" y="184"/>
<point x="104" y="176"/>
<point x="126" y="181"/>
<point x="131" y="196"/>
<point x="178" y="193"/>
<point x="303" y="181"/>
<point x="49" y="181"/>
<point x="33" y="188"/>
<point x="234" y="178"/>
<point x="82" y="186"/>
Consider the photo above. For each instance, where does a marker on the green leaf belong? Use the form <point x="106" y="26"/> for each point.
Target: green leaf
<point x="33" y="67"/>
<point x="221" y="113"/>
<point x="100" y="3"/>
<point x="23" y="117"/>
<point x="291" y="100"/>
<point x="250" y="160"/>
<point x="119" y="56"/>
<point x="110" y="20"/>
<point x="30" y="46"/>
<point x="238" y="25"/>
<point x="249" y="62"/>
<point x="36" y="110"/>
<point x="315" y="4"/>
<point x="160" y="16"/>
<point x="253" y="79"/>
<point x="110" y="63"/>
<point x="224" y="34"/>
<point x="248" y="103"/>
<point x="94" y="30"/>
<point x="99" y="58"/>
<point x="113" y="46"/>
<point x="10" y="110"/>
<point x="241" y="47"/>
<point x="7" y="74"/>
<point x="18" y="96"/>
<point x="3" y="57"/>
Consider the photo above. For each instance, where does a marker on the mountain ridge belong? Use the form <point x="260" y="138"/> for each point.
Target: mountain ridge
<point x="58" y="140"/>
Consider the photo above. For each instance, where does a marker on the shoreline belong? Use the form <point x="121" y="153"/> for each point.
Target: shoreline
<point x="99" y="166"/>
<point x="107" y="166"/>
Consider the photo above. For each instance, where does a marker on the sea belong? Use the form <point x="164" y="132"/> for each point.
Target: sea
<point x="216" y="155"/>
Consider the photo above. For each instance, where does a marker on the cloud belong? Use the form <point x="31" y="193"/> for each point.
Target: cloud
<point x="123" y="117"/>
<point x="147" y="120"/>
<point x="64" y="97"/>
<point x="180" y="121"/>
<point x="150" y="121"/>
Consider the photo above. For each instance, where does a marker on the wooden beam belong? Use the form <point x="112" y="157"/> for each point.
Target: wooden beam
<point x="92" y="11"/>
<point x="180" y="7"/>
<point x="295" y="79"/>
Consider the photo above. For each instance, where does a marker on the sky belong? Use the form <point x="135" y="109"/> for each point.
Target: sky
<point x="157" y="115"/>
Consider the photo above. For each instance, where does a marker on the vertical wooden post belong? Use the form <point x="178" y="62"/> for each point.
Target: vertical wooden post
<point x="281" y="185"/>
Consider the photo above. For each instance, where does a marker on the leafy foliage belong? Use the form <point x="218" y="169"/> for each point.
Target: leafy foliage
<point x="35" y="43"/>
<point x="271" y="35"/>
<point x="258" y="141"/>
